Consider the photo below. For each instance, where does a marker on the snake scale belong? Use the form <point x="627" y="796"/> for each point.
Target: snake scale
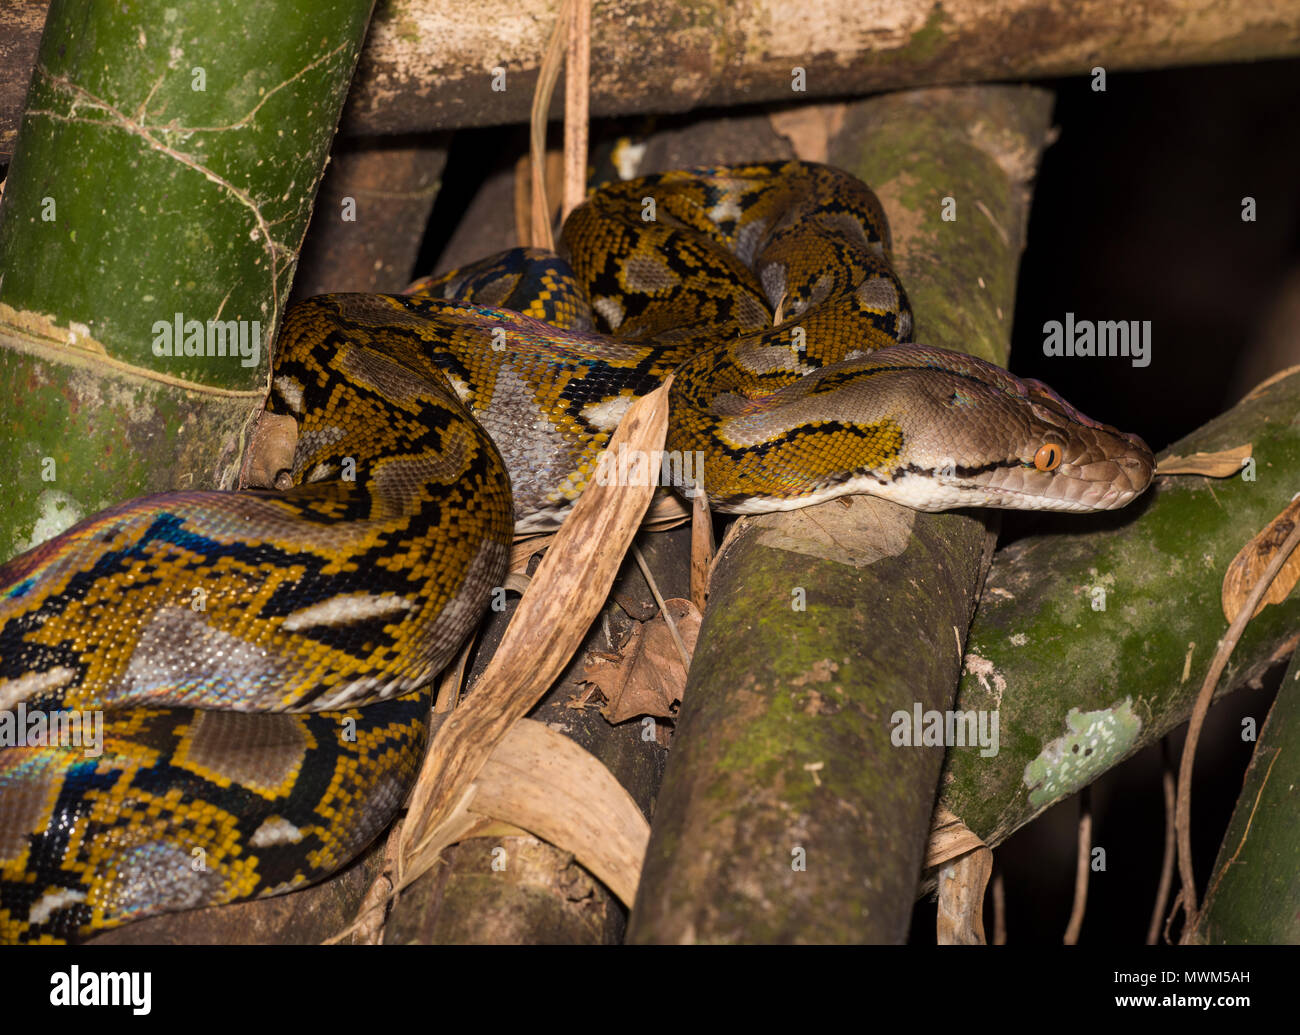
<point x="256" y="743"/>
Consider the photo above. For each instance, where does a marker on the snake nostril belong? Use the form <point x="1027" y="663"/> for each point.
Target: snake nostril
<point x="1137" y="469"/>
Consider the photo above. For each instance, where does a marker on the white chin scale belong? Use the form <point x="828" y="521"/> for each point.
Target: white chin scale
<point x="920" y="493"/>
<point x="548" y="519"/>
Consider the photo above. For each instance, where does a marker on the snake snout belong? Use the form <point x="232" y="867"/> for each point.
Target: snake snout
<point x="1138" y="468"/>
<point x="1117" y="466"/>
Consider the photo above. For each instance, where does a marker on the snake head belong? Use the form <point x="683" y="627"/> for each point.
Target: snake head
<point x="984" y="437"/>
<point x="922" y="426"/>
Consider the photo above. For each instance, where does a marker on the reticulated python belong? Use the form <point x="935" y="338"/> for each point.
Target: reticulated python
<point x="340" y="593"/>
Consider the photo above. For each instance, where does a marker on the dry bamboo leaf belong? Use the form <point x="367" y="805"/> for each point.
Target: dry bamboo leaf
<point x="516" y="582"/>
<point x="961" y="898"/>
<point x="1269" y="381"/>
<point x="275" y="436"/>
<point x="810" y="128"/>
<point x="949" y="838"/>
<point x="1249" y="564"/>
<point x="554" y="177"/>
<point x="857" y="530"/>
<point x="458" y="826"/>
<point x="373" y="911"/>
<point x="577" y="107"/>
<point x="1222" y="464"/>
<point x="667" y="511"/>
<point x="523" y="550"/>
<point x="648" y="675"/>
<point x="542" y="781"/>
<point x="453" y="678"/>
<point x="564" y="596"/>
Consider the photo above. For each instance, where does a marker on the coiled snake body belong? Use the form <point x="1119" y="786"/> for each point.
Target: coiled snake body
<point x="328" y="608"/>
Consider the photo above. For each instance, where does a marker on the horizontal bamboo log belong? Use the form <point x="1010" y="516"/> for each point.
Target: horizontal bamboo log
<point x="1253" y="897"/>
<point x="433" y="65"/>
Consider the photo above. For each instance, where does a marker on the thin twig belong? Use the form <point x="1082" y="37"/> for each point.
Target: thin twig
<point x="1167" y="863"/>
<point x="1183" y="818"/>
<point x="576" y="97"/>
<point x="1081" y="869"/>
<point x="1173" y="911"/>
<point x="1209" y="892"/>
<point x="541" y="236"/>
<point x="663" y="609"/>
<point x="999" y="910"/>
<point x="379" y="898"/>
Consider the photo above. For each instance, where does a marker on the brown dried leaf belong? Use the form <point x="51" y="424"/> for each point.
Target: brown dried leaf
<point x="1269" y="381"/>
<point x="554" y="178"/>
<point x="949" y="838"/>
<point x="563" y="597"/>
<point x="965" y="864"/>
<point x="648" y="676"/>
<point x="703" y="550"/>
<point x="962" y="882"/>
<point x="543" y="782"/>
<point x="666" y="511"/>
<point x="275" y="435"/>
<point x="523" y="549"/>
<point x="1249" y="564"/>
<point x="810" y="128"/>
<point x="1223" y="464"/>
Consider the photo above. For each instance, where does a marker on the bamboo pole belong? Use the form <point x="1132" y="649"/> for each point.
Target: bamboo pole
<point x="788" y="814"/>
<point x="1253" y="897"/>
<point x="148" y="235"/>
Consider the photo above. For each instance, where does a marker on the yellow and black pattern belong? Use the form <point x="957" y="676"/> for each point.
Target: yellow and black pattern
<point x="355" y="586"/>
<point x="768" y="289"/>
<point x="531" y="281"/>
<point x="429" y="424"/>
<point x="187" y="808"/>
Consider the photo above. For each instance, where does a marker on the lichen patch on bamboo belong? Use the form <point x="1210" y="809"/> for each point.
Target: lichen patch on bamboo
<point x="1094" y="742"/>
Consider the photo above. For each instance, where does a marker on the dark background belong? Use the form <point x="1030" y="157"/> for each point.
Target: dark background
<point x="1137" y="215"/>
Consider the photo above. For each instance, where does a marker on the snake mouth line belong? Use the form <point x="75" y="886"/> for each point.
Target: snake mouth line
<point x="919" y="488"/>
<point x="1111" y="499"/>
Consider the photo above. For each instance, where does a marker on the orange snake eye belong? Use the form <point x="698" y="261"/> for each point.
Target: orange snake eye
<point x="1048" y="457"/>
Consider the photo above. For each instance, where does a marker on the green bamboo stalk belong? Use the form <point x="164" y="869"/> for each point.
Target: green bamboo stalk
<point x="1253" y="897"/>
<point x="166" y="164"/>
<point x="1091" y="644"/>
<point x="789" y="813"/>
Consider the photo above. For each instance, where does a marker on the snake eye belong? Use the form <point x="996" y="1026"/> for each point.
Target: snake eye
<point x="1048" y="457"/>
